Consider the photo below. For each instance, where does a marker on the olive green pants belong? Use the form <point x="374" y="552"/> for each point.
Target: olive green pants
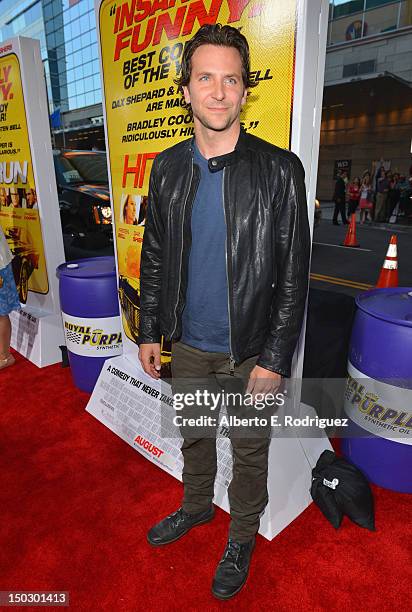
<point x="192" y="370"/>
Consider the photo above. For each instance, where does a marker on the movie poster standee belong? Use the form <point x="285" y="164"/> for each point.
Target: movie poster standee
<point x="141" y="45"/>
<point x="29" y="210"/>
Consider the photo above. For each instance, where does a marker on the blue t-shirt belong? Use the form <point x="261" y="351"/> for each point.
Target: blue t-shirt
<point x="205" y="320"/>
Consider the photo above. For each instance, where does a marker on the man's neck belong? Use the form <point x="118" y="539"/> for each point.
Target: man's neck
<point x="212" y="144"/>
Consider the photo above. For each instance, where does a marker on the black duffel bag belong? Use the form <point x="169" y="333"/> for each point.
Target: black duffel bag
<point x="340" y="488"/>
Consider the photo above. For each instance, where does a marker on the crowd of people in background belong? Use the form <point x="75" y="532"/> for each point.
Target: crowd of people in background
<point x="383" y="198"/>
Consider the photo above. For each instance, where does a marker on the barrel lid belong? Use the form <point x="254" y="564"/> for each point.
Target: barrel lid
<point x="393" y="304"/>
<point x="90" y="267"/>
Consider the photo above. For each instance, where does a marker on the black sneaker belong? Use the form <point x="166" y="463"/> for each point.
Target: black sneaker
<point x="233" y="568"/>
<point x="176" y="525"/>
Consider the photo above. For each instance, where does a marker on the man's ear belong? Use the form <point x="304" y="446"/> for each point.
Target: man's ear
<point x="186" y="94"/>
<point x="244" y="97"/>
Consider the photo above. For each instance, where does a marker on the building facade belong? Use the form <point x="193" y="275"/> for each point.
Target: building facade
<point x="25" y="18"/>
<point x="367" y="103"/>
<point x="367" y="106"/>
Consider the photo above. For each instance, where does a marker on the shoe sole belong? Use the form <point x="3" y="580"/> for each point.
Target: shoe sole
<point x="203" y="522"/>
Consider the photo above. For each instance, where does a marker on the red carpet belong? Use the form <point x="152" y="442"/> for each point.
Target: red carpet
<point x="77" y="502"/>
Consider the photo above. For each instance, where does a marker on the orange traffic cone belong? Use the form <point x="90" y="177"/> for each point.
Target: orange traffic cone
<point x="389" y="273"/>
<point x="350" y="240"/>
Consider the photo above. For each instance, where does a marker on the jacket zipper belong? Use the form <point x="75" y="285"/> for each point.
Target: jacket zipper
<point x="181" y="250"/>
<point x="231" y="358"/>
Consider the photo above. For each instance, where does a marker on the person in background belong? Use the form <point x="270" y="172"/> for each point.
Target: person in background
<point x="404" y="193"/>
<point x="9" y="300"/>
<point x="377" y="176"/>
<point x="366" y="198"/>
<point x="353" y="195"/>
<point x="394" y="195"/>
<point x="381" y="195"/>
<point x="339" y="196"/>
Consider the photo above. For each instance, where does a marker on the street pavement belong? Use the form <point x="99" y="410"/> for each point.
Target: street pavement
<point x="352" y="270"/>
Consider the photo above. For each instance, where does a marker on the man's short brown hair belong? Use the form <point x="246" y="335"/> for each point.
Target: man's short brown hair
<point x="221" y="36"/>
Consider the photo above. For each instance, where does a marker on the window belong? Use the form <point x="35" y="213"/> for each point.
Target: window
<point x="88" y="86"/>
<point x="374" y="3"/>
<point x="359" y="18"/>
<point x="69" y="64"/>
<point x="71" y="90"/>
<point x="83" y="7"/>
<point x="33" y="14"/>
<point x="381" y="19"/>
<point x="359" y="68"/>
<point x="93" y="34"/>
<point x="80" y="87"/>
<point x="77" y="58"/>
<point x="87" y="69"/>
<point x="92" y="20"/>
<point x="85" y="41"/>
<point x="345" y="7"/>
<point x="47" y="12"/>
<point x="59" y="37"/>
<point x="87" y="54"/>
<point x="347" y="28"/>
<point x="83" y="23"/>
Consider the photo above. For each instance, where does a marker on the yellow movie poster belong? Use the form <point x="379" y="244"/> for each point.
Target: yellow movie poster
<point x="19" y="215"/>
<point x="141" y="45"/>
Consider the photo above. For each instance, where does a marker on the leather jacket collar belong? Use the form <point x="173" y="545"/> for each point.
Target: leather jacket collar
<point x="221" y="161"/>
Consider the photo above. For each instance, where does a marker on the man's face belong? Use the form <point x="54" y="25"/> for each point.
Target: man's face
<point x="130" y="211"/>
<point x="15" y="199"/>
<point x="31" y="198"/>
<point x="216" y="92"/>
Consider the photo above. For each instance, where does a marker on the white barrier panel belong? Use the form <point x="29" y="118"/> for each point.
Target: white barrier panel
<point x="29" y="210"/>
<point x="138" y="409"/>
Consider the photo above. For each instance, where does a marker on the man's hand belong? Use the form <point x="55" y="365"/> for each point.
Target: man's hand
<point x="263" y="381"/>
<point x="149" y="355"/>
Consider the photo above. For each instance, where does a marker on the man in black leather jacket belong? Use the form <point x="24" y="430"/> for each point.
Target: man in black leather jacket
<point x="224" y="275"/>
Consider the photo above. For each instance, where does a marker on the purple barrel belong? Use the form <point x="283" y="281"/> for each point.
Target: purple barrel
<point x="378" y="396"/>
<point x="90" y="312"/>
